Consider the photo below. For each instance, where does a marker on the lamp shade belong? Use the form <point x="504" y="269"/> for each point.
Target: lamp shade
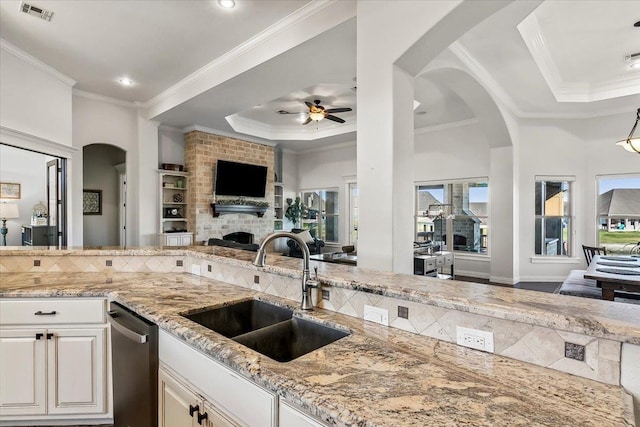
<point x="9" y="211"/>
<point x="632" y="144"/>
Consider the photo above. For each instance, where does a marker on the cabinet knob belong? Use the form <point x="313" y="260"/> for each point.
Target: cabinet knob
<point x="39" y="335"/>
<point x="193" y="409"/>
<point x="49" y="336"/>
<point x="202" y="417"/>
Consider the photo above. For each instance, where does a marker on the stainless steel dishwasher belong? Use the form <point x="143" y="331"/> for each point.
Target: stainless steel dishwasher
<point x="134" y="347"/>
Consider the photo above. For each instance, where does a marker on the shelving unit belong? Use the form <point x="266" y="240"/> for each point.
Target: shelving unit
<point x="174" y="224"/>
<point x="278" y="205"/>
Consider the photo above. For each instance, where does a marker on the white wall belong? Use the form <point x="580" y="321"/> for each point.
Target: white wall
<point x="102" y="122"/>
<point x="455" y="152"/>
<point x="170" y="146"/>
<point x="583" y="148"/>
<point x="29" y="170"/>
<point x="327" y="168"/>
<point x="99" y="162"/>
<point x="34" y="98"/>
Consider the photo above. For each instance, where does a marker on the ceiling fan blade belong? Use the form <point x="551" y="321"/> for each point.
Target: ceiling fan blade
<point x="306" y="122"/>
<point x="334" y="118"/>
<point x="338" y="110"/>
<point x="308" y="104"/>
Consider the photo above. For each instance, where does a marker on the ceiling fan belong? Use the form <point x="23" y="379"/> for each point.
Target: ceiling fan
<point x="317" y="112"/>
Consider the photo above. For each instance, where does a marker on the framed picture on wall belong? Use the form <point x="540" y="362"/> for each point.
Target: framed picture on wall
<point x="9" y="190"/>
<point x="92" y="202"/>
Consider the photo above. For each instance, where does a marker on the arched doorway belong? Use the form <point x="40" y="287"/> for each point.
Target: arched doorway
<point x="104" y="195"/>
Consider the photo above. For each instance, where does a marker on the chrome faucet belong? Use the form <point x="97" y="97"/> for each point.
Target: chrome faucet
<point x="307" y="282"/>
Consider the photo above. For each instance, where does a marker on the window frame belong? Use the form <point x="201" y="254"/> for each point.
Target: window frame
<point x="321" y="218"/>
<point x="570" y="247"/>
<point x="447" y="201"/>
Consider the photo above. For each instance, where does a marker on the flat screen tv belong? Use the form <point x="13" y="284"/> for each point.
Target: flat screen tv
<point x="240" y="179"/>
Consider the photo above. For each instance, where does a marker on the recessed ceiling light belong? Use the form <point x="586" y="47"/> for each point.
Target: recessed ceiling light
<point x="227" y="4"/>
<point x="126" y="81"/>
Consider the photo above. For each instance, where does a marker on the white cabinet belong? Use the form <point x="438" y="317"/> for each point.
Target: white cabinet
<point x="181" y="406"/>
<point x="173" y="214"/>
<point x="290" y="416"/>
<point x="22" y="372"/>
<point x="176" y="239"/>
<point x="53" y="359"/>
<point x="241" y="400"/>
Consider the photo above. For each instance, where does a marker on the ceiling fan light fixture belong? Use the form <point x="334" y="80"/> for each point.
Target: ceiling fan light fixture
<point x="632" y="143"/>
<point x="316" y="116"/>
<point x="227" y="4"/>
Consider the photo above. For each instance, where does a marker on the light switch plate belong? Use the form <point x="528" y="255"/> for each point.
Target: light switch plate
<point x="377" y="315"/>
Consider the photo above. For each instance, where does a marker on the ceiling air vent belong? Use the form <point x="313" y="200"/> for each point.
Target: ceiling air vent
<point x="36" y="11"/>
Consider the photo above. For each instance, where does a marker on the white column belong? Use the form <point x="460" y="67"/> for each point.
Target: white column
<point x="145" y="202"/>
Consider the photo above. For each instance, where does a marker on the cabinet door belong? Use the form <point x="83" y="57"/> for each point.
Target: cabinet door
<point x="292" y="417"/>
<point x="186" y="240"/>
<point x="172" y="240"/>
<point x="177" y="405"/>
<point x="215" y="418"/>
<point x="76" y="371"/>
<point x="22" y="372"/>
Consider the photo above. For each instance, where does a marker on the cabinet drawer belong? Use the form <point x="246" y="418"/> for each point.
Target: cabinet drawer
<point x="51" y="311"/>
<point x="448" y="259"/>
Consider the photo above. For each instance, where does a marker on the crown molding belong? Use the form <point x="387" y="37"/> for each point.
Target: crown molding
<point x="35" y="143"/>
<point x="32" y="60"/>
<point x="312" y="19"/>
<point x="568" y="91"/>
<point x="103" y="98"/>
<point x="298" y="133"/>
<point x="497" y="91"/>
<point x="332" y="147"/>
<point x="446" y="126"/>
<point x="218" y="132"/>
<point x="484" y="77"/>
<point x="172" y="129"/>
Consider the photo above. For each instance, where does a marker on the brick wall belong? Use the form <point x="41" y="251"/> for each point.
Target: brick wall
<point x="202" y="150"/>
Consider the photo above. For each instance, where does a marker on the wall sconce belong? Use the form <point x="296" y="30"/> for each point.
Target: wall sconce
<point x="632" y="143"/>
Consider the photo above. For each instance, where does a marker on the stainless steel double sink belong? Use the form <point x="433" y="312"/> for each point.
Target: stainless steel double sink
<point x="267" y="328"/>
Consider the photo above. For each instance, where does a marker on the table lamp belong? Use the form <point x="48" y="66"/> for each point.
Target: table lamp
<point x="7" y="211"/>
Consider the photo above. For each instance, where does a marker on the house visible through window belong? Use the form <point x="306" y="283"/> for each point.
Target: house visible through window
<point x="618" y="212"/>
<point x="453" y="215"/>
<point x="553" y="216"/>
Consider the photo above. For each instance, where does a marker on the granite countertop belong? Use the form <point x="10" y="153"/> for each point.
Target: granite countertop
<point x="601" y="319"/>
<point x="377" y="376"/>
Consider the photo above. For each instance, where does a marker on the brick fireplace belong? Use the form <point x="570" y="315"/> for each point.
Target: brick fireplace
<point x="202" y="150"/>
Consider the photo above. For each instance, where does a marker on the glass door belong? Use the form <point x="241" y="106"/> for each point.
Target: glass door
<point x="56" y="202"/>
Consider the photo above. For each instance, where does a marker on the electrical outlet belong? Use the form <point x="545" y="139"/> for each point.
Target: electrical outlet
<point x="377" y="315"/>
<point x="474" y="338"/>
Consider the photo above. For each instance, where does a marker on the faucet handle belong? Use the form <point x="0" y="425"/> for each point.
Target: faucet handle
<point x="312" y="283"/>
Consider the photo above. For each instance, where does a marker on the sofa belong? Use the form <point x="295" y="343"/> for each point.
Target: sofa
<point x="315" y="245"/>
<point x="232" y="244"/>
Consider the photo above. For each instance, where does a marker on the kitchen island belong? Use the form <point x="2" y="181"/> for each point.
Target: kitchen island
<point x="377" y="375"/>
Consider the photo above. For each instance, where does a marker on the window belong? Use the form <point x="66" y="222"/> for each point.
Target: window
<point x="353" y="212"/>
<point x="618" y="212"/>
<point x="322" y="214"/>
<point x="553" y="216"/>
<point x="454" y="215"/>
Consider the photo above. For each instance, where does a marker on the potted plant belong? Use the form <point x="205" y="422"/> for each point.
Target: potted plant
<point x="295" y="210"/>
